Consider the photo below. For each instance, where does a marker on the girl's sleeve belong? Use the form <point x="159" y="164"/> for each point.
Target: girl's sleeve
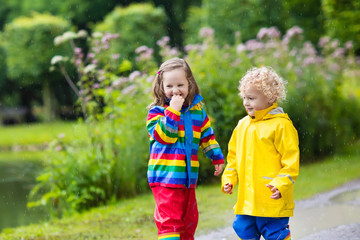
<point x="163" y="124"/>
<point x="230" y="174"/>
<point x="287" y="144"/>
<point x="210" y="146"/>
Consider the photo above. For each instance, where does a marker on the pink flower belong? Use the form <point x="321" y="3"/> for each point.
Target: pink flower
<point x="115" y="56"/>
<point x="349" y="45"/>
<point x="61" y="135"/>
<point x="134" y="75"/>
<point x="163" y="41"/>
<point x="206" y="32"/>
<point x="271" y="32"/>
<point x="128" y="89"/>
<point x="240" y="48"/>
<point x="323" y="41"/>
<point x="253" y="45"/>
<point x="338" y="53"/>
<point x="308" y="61"/>
<point x="292" y="32"/>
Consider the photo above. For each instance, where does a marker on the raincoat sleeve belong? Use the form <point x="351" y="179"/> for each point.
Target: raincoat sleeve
<point x="210" y="146"/>
<point x="230" y="174"/>
<point x="287" y="144"/>
<point x="163" y="124"/>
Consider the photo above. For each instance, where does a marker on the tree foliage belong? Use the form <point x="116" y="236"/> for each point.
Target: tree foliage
<point x="29" y="48"/>
<point x="231" y="16"/>
<point x="137" y="25"/>
<point x="342" y="20"/>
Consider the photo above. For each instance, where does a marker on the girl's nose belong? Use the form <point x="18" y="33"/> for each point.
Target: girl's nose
<point x="176" y="90"/>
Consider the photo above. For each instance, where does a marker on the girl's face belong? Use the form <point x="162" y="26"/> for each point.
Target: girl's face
<point x="254" y="100"/>
<point x="175" y="83"/>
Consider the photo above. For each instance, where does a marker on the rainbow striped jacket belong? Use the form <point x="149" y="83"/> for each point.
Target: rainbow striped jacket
<point x="175" y="138"/>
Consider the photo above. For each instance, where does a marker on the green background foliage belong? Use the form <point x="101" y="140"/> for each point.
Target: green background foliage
<point x="137" y="25"/>
<point x="343" y="20"/>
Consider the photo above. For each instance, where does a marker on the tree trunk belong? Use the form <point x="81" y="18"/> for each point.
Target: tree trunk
<point x="49" y="101"/>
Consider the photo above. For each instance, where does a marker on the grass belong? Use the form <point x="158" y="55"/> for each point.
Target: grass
<point x="21" y="156"/>
<point x="132" y="218"/>
<point x="38" y="133"/>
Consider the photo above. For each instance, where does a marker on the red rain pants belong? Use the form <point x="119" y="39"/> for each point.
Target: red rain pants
<point x="176" y="212"/>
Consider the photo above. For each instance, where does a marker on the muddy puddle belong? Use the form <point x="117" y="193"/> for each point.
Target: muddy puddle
<point x="326" y="216"/>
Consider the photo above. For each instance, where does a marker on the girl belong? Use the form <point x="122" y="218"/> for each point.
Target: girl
<point x="263" y="159"/>
<point x="177" y="126"/>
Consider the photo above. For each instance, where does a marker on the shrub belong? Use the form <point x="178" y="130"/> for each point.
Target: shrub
<point x="315" y="90"/>
<point x="137" y="24"/>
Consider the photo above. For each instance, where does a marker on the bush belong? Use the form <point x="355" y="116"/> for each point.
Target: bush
<point x="315" y="90"/>
<point x="138" y="24"/>
<point x="111" y="164"/>
<point x="227" y="17"/>
<point x="342" y="20"/>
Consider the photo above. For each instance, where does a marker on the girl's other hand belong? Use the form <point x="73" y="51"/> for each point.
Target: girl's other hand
<point x="177" y="102"/>
<point x="218" y="169"/>
<point x="228" y="188"/>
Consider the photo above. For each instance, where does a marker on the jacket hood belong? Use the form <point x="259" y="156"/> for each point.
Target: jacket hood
<point x="197" y="99"/>
<point x="273" y="111"/>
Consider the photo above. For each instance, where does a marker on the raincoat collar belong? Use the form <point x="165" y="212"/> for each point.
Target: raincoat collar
<point x="197" y="99"/>
<point x="273" y="109"/>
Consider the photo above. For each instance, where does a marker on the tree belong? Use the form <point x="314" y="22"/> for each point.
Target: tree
<point x="342" y="20"/>
<point x="28" y="42"/>
<point x="227" y="17"/>
<point x="137" y="25"/>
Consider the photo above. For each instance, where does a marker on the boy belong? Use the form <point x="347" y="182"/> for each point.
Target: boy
<point x="263" y="158"/>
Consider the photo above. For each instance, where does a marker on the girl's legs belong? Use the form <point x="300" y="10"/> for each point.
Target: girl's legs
<point x="191" y="215"/>
<point x="175" y="213"/>
<point x="245" y="227"/>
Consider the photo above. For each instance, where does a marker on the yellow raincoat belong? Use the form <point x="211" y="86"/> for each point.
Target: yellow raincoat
<point x="263" y="150"/>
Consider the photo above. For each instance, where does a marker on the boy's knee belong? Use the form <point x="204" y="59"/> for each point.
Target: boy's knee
<point x="245" y="229"/>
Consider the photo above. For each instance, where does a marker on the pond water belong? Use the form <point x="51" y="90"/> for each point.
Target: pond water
<point x="16" y="180"/>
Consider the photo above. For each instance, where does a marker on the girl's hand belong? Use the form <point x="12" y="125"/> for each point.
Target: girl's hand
<point x="218" y="169"/>
<point x="228" y="188"/>
<point x="276" y="193"/>
<point x="176" y="102"/>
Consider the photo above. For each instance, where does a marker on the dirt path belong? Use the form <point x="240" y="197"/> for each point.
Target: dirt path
<point x="331" y="215"/>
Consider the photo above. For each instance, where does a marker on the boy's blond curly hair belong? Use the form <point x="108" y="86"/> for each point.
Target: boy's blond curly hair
<point x="266" y="80"/>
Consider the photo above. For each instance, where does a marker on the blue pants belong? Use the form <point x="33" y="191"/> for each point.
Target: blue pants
<point x="251" y="227"/>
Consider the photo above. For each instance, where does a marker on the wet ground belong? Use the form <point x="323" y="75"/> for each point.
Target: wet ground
<point x="332" y="215"/>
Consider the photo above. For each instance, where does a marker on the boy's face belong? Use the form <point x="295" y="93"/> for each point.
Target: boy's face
<point x="254" y="100"/>
<point x="175" y="83"/>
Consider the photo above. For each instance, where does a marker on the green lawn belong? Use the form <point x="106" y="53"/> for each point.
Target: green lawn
<point x="132" y="218"/>
<point x="38" y="133"/>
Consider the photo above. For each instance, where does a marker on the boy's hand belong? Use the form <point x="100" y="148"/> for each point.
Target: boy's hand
<point x="228" y="188"/>
<point x="218" y="169"/>
<point x="176" y="102"/>
<point x="276" y="193"/>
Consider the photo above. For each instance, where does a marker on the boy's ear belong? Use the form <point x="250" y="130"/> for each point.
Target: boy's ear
<point x="272" y="100"/>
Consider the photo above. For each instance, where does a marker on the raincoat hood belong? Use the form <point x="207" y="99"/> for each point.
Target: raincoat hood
<point x="270" y="112"/>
